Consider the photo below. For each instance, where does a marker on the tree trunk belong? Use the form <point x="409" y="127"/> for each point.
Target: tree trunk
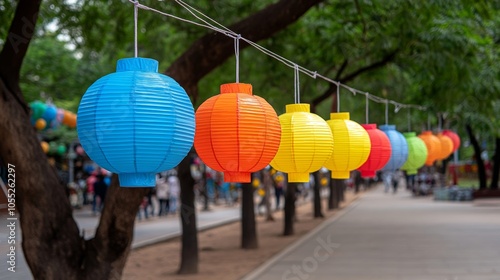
<point x="114" y="234"/>
<point x="481" y="171"/>
<point x="496" y="165"/>
<point x="248" y="227"/>
<point x="52" y="244"/>
<point x="267" y="182"/>
<point x="331" y="195"/>
<point x="189" y="239"/>
<point x="317" y="196"/>
<point x="289" y="208"/>
<point x="341" y="188"/>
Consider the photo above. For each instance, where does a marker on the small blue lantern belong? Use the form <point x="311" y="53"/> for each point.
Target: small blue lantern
<point x="136" y="122"/>
<point x="399" y="148"/>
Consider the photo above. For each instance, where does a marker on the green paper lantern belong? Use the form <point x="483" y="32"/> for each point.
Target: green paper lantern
<point x="417" y="153"/>
<point x="61" y="149"/>
<point x="37" y="108"/>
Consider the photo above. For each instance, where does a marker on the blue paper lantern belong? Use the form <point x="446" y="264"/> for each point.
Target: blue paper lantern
<point x="136" y="122"/>
<point x="50" y="113"/>
<point x="399" y="148"/>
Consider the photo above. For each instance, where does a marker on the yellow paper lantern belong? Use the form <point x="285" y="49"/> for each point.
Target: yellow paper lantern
<point x="446" y="146"/>
<point x="352" y="145"/>
<point x="306" y="143"/>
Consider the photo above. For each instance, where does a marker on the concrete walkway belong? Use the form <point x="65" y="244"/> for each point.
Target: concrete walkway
<point x="146" y="232"/>
<point x="396" y="237"/>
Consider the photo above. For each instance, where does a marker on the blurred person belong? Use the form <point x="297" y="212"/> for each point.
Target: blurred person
<point x="174" y="188"/>
<point x="100" y="189"/>
<point x="387" y="179"/>
<point x="162" y="191"/>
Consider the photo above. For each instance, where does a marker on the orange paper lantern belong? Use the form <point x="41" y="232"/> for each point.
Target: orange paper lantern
<point x="236" y="132"/>
<point x="40" y="124"/>
<point x="446" y="146"/>
<point x="433" y="146"/>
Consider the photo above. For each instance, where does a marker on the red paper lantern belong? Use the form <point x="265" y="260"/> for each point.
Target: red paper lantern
<point x="236" y="132"/>
<point x="380" y="152"/>
<point x="454" y="138"/>
<point x="433" y="146"/>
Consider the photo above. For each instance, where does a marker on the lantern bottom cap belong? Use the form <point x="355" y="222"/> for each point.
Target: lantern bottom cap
<point x="237" y="177"/>
<point x="298" y="177"/>
<point x="137" y="180"/>
<point x="341" y="174"/>
<point x="368" y="174"/>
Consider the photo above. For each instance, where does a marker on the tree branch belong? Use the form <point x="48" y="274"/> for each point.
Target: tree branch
<point x="212" y="50"/>
<point x="16" y="45"/>
<point x="333" y="88"/>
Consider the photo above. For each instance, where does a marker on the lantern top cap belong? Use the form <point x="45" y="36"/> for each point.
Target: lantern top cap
<point x="427" y="132"/>
<point x="301" y="107"/>
<point x="236" y="88"/>
<point x="409" y="134"/>
<point x="340" y="116"/>
<point x="387" y="127"/>
<point x="369" y="126"/>
<point x="137" y="64"/>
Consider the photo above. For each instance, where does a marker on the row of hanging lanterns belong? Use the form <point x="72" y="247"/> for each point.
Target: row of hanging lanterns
<point x="236" y="132"/>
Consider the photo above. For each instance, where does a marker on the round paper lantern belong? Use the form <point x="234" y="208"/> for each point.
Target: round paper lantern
<point x="50" y="114"/>
<point x="417" y="153"/>
<point x="446" y="146"/>
<point x="236" y="132"/>
<point x="79" y="150"/>
<point x="40" y="124"/>
<point x="454" y="138"/>
<point x="433" y="146"/>
<point x="306" y="143"/>
<point x="380" y="152"/>
<point x="136" y="122"/>
<point x="61" y="149"/>
<point x="37" y="109"/>
<point x="351" y="145"/>
<point x="45" y="146"/>
<point x="399" y="148"/>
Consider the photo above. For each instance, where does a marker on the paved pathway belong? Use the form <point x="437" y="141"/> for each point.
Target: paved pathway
<point x="145" y="232"/>
<point x="396" y="237"/>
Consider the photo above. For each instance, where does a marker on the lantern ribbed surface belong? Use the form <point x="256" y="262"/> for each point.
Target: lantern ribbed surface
<point x="306" y="143"/>
<point x="351" y="145"/>
<point x="433" y="146"/>
<point x="446" y="146"/>
<point x="380" y="151"/>
<point x="417" y="153"/>
<point x="236" y="132"/>
<point x="454" y="138"/>
<point x="399" y="148"/>
<point x="136" y="122"/>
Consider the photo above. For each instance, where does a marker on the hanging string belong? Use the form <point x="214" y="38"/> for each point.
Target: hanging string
<point x="367" y="109"/>
<point x="296" y="84"/>
<point x="338" y="97"/>
<point x="237" y="54"/>
<point x="136" y="11"/>
<point x="409" y="120"/>
<point x="212" y="24"/>
<point x="386" y="112"/>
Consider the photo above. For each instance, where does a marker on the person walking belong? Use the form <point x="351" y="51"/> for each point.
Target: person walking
<point x="174" y="188"/>
<point x="162" y="195"/>
<point x="100" y="189"/>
